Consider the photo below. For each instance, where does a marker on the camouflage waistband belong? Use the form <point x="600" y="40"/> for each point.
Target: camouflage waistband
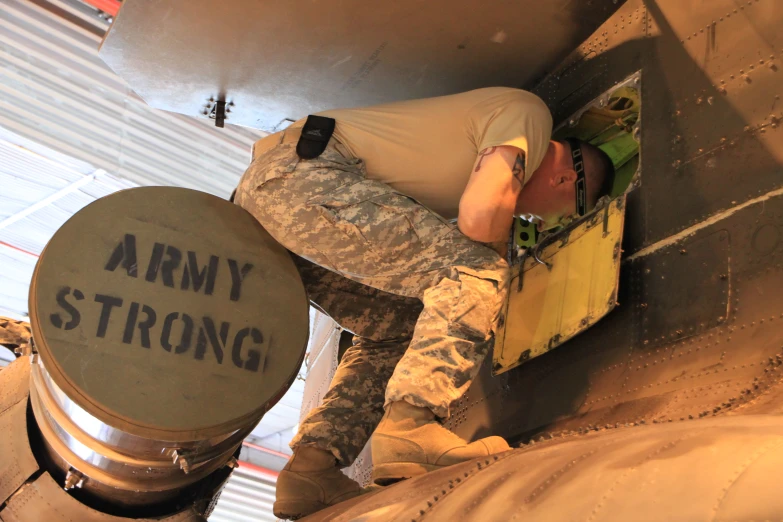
<point x="291" y="135"/>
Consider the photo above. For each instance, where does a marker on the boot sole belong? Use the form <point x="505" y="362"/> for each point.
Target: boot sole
<point x="389" y="473"/>
<point x="296" y="509"/>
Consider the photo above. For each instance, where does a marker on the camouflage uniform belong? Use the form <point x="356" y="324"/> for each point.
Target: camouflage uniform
<point x="421" y="298"/>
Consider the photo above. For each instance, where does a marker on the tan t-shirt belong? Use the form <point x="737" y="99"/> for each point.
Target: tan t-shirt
<point x="427" y="148"/>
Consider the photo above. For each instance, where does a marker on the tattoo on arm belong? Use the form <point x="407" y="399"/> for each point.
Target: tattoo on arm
<point x="519" y="168"/>
<point x="483" y="154"/>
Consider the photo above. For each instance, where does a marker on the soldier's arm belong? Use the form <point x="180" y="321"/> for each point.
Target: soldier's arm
<point x="486" y="209"/>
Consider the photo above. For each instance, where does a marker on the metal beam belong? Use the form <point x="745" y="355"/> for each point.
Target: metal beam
<point x="265" y="450"/>
<point x="263" y="471"/>
<point x="111" y="7"/>
<point x="9" y="245"/>
<point x="76" y="185"/>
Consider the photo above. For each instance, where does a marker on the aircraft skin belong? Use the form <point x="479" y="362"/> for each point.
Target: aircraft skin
<point x="668" y="408"/>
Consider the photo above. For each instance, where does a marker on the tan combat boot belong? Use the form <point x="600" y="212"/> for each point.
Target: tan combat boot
<point x="310" y="482"/>
<point x="409" y="442"/>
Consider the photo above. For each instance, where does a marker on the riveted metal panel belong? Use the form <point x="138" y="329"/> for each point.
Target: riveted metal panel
<point x="17" y="463"/>
<point x="697" y="335"/>
<point x="711" y="137"/>
<point x="709" y="469"/>
<point x="280" y="61"/>
<point x="697" y="329"/>
<point x="45" y="499"/>
<point x="14" y="386"/>
<point x="686" y="288"/>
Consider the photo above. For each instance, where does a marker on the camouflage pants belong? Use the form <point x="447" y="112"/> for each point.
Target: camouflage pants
<point x="421" y="298"/>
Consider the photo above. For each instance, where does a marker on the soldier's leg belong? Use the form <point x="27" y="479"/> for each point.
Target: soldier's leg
<point x="453" y="335"/>
<point x="382" y="325"/>
<point x="332" y="435"/>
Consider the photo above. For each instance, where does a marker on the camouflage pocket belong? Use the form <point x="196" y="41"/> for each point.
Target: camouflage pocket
<point x="475" y="309"/>
<point x="372" y="215"/>
<point x="274" y="163"/>
<point x="392" y="225"/>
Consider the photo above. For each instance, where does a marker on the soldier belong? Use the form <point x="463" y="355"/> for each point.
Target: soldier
<point x="364" y="199"/>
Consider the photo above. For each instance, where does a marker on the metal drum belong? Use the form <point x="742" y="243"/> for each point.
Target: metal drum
<point x="167" y="322"/>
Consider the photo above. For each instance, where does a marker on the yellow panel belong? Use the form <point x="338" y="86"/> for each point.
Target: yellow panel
<point x="555" y="304"/>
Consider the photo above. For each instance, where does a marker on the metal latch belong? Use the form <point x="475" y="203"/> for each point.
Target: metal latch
<point x="218" y="110"/>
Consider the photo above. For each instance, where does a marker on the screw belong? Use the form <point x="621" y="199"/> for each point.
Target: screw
<point x="180" y="458"/>
<point x="74" y="479"/>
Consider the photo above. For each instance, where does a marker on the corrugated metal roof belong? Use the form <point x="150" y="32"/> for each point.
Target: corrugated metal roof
<point x="28" y="178"/>
<point x="55" y="90"/>
<point x="247" y="497"/>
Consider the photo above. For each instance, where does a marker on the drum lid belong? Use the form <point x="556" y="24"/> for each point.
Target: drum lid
<point x="169" y="313"/>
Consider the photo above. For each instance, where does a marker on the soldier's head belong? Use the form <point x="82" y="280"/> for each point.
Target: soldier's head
<point x="571" y="179"/>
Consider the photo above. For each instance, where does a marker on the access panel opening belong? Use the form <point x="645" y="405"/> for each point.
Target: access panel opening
<point x="565" y="280"/>
<point x="612" y="122"/>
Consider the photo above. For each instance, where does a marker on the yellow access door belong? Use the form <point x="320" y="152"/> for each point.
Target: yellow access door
<point x="563" y="288"/>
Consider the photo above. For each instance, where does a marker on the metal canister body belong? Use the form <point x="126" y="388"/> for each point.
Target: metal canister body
<point x="30" y="491"/>
<point x="114" y="464"/>
<point x="166" y="323"/>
